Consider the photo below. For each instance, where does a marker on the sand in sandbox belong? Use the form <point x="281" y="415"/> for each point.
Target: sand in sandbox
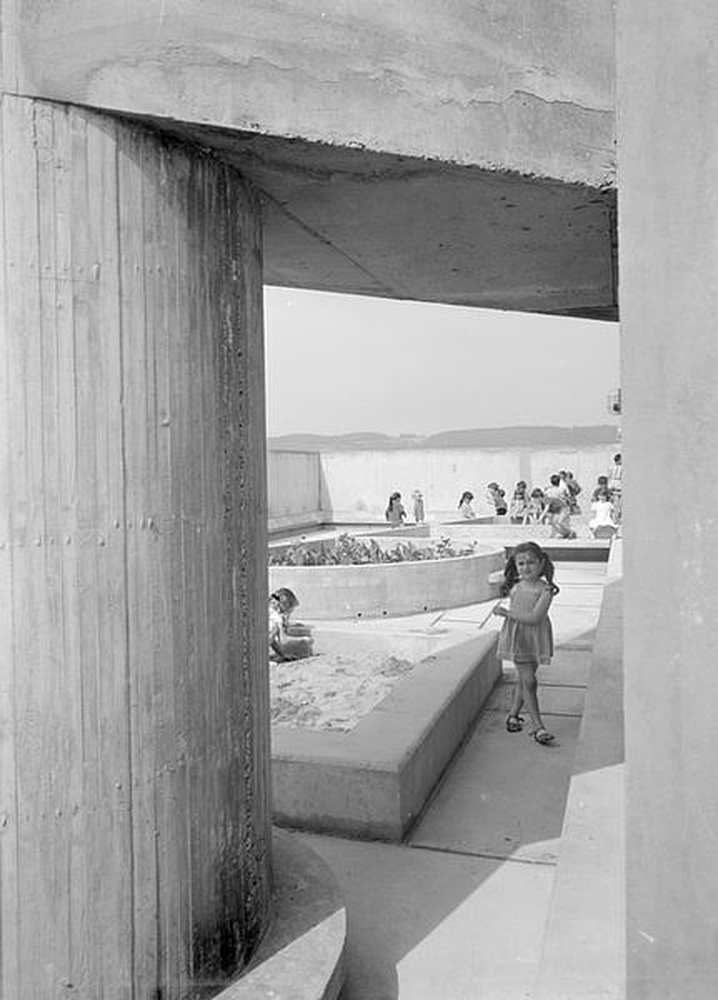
<point x="332" y="690"/>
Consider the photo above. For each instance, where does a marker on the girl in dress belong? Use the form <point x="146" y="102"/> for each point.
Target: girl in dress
<point x="527" y="636"/>
<point x="465" y="502"/>
<point x="395" y="512"/>
<point x="519" y="502"/>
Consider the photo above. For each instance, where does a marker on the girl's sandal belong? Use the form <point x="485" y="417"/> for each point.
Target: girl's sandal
<point x="514" y="723"/>
<point x="543" y="736"/>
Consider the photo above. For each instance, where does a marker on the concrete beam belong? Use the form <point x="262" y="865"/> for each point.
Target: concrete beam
<point x="461" y="155"/>
<point x="507" y="85"/>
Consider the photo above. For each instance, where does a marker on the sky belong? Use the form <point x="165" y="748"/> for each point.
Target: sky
<point x="342" y="363"/>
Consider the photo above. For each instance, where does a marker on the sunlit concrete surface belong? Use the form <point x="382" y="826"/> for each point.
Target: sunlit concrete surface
<point x="461" y="910"/>
<point x="460" y="154"/>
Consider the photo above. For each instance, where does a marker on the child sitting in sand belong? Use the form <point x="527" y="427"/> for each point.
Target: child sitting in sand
<point x="287" y="641"/>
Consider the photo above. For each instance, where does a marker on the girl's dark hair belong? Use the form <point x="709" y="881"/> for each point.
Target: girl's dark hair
<point x="511" y="573"/>
<point x="286" y="597"/>
<point x="466" y="495"/>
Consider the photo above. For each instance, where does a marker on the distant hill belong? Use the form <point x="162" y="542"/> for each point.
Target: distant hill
<point x="486" y="437"/>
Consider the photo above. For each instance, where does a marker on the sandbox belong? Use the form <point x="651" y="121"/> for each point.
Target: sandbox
<point x="373" y="781"/>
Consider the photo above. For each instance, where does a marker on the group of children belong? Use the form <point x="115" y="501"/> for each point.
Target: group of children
<point x="553" y="505"/>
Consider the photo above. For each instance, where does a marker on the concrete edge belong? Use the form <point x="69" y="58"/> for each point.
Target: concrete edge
<point x="373" y="781"/>
<point x="387" y="590"/>
<point x="583" y="954"/>
<point x="302" y="955"/>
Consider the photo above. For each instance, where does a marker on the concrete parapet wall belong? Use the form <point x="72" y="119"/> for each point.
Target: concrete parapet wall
<point x="294" y="487"/>
<point x="355" y="485"/>
<point x="374" y="590"/>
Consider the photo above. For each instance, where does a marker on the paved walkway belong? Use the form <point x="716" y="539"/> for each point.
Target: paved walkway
<point x="458" y="911"/>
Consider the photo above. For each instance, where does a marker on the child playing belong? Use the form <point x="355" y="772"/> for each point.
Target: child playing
<point x="418" y="498"/>
<point x="465" y="505"/>
<point x="519" y="502"/>
<point x="603" y="524"/>
<point x="395" y="512"/>
<point x="536" y="507"/>
<point x="496" y="497"/>
<point x="286" y="642"/>
<point x="527" y="636"/>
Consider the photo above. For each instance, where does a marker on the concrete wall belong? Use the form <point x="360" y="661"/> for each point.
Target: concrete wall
<point x="668" y="152"/>
<point x="134" y="784"/>
<point x="524" y="85"/>
<point x="375" y="590"/>
<point x="295" y="489"/>
<point x="357" y="484"/>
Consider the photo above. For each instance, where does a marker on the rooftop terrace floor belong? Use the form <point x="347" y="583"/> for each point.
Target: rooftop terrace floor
<point x="460" y="910"/>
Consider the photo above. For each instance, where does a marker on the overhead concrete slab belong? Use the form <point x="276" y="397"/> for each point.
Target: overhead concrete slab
<point x="355" y="221"/>
<point x="423" y="925"/>
<point x="505" y="796"/>
<point x="459" y="154"/>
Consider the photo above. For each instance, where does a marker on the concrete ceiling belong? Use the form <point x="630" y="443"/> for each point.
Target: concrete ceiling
<point x="350" y="220"/>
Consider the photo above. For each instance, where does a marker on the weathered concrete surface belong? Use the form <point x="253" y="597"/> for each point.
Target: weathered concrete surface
<point x="455" y="153"/>
<point x="134" y="781"/>
<point x="374" y="780"/>
<point x="584" y="952"/>
<point x="668" y="92"/>
<point x="525" y="86"/>
<point x="376" y="590"/>
<point x="302" y="954"/>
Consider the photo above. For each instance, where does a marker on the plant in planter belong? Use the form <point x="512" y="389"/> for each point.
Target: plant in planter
<point x="348" y="550"/>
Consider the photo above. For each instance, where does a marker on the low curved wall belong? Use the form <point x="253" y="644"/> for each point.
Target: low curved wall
<point x="374" y="590"/>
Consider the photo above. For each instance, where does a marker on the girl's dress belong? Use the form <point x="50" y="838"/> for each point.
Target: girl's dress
<point x="520" y="641"/>
<point x="466" y="510"/>
<point x="395" y="514"/>
<point x="518" y="506"/>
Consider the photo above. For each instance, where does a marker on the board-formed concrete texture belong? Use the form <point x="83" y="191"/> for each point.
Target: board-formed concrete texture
<point x="373" y="781"/>
<point x="302" y="955"/>
<point x="459" y="154"/>
<point x="376" y="590"/>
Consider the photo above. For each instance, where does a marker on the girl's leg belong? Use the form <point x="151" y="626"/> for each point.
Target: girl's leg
<point x="529" y="685"/>
<point x="517" y="699"/>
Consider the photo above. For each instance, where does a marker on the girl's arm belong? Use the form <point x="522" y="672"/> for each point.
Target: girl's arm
<point x="540" y="610"/>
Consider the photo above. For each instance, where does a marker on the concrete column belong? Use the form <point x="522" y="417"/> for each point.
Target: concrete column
<point x="668" y="239"/>
<point x="134" y="788"/>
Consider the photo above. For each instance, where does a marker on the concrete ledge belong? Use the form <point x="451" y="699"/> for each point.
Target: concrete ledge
<point x="376" y="590"/>
<point x="302" y="954"/>
<point x="583" y="954"/>
<point x="373" y="781"/>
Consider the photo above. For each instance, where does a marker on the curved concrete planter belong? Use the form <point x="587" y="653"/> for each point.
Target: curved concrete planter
<point x="375" y="590"/>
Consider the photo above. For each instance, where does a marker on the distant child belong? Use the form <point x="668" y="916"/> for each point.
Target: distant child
<point x="418" y="498"/>
<point x="558" y="508"/>
<point x="497" y="498"/>
<point x="603" y="523"/>
<point x="395" y="513"/>
<point x="465" y="508"/>
<point x="519" y="502"/>
<point x="527" y="636"/>
<point x="574" y="488"/>
<point x="616" y="486"/>
<point x="286" y="641"/>
<point x="536" y="507"/>
<point x="601" y="487"/>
